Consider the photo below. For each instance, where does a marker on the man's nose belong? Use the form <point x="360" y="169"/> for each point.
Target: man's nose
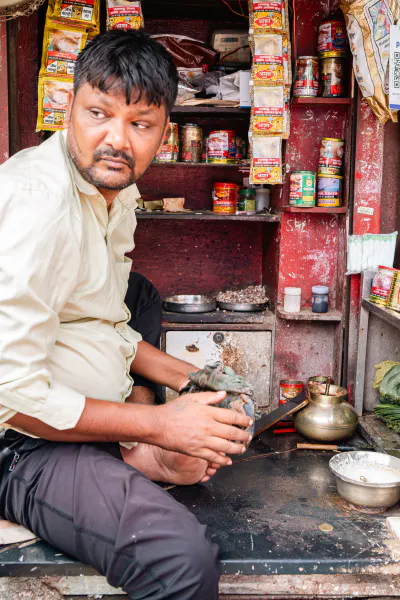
<point x="117" y="135"/>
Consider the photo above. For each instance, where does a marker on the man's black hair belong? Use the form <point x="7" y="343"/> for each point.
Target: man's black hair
<point x="131" y="61"/>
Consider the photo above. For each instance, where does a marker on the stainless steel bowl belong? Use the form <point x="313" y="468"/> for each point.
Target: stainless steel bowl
<point x="242" y="306"/>
<point x="367" y="479"/>
<point x="190" y="304"/>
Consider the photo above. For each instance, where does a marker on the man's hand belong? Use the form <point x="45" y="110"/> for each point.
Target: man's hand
<point x="191" y="425"/>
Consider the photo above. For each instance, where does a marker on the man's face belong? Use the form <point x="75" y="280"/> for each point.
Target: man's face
<point x="113" y="143"/>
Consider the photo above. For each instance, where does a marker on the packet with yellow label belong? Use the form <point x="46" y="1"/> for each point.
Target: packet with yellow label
<point x="266" y="16"/>
<point x="268" y="105"/>
<point x="52" y="102"/>
<point x="268" y="67"/>
<point x="124" y="14"/>
<point x="81" y="12"/>
<point x="266" y="159"/>
<point x="61" y="46"/>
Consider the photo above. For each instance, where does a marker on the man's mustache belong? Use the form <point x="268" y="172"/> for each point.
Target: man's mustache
<point x="99" y="154"/>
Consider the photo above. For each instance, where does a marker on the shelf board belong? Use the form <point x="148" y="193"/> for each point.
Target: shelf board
<point x="218" y="319"/>
<point x="196" y="165"/>
<point x="208" y="215"/>
<point x="333" y="316"/>
<point x="336" y="210"/>
<point x="389" y="316"/>
<point x="381" y="438"/>
<point x="322" y="101"/>
<point x="220" y="110"/>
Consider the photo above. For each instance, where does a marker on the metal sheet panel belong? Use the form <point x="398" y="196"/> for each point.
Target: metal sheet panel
<point x="248" y="353"/>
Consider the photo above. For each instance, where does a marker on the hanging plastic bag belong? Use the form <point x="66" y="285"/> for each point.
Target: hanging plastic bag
<point x="52" y="102"/>
<point x="61" y="46"/>
<point x="124" y="14"/>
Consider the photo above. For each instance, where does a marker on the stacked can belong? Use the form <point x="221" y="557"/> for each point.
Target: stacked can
<point x="332" y="50"/>
<point x="330" y="173"/>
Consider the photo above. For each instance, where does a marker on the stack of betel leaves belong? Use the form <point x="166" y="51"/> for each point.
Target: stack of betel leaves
<point x="387" y="381"/>
<point x="69" y="27"/>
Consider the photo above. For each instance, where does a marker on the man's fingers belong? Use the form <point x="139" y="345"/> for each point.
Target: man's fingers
<point x="211" y="472"/>
<point x="230" y="417"/>
<point x="208" y="397"/>
<point x="232" y="433"/>
<point x="225" y="446"/>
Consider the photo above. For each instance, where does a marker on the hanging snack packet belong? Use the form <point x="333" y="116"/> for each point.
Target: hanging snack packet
<point x="124" y="14"/>
<point x="81" y="12"/>
<point x="266" y="161"/>
<point x="266" y="16"/>
<point x="268" y="59"/>
<point x="61" y="46"/>
<point x="286" y="114"/>
<point x="268" y="109"/>
<point x="368" y="27"/>
<point x="52" y="102"/>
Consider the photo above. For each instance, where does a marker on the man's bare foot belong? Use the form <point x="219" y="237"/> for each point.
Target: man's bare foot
<point x="170" y="467"/>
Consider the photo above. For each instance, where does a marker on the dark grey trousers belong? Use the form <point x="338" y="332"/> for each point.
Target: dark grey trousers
<point x="84" y="500"/>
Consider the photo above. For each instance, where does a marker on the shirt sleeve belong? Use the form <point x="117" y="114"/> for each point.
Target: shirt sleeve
<point x="39" y="265"/>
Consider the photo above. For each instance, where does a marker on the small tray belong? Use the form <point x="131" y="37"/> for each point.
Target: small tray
<point x="190" y="304"/>
<point x="243" y="307"/>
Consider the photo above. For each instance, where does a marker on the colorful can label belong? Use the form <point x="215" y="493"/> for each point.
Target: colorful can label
<point x="333" y="77"/>
<point x="332" y="37"/>
<point x="192" y="143"/>
<point x="330" y="191"/>
<point x="394" y="296"/>
<point x="225" y="198"/>
<point x="239" y="149"/>
<point x="222" y="147"/>
<point x="381" y="285"/>
<point x="307" y="79"/>
<point x="302" y="188"/>
<point x="289" y="389"/>
<point x="170" y="149"/>
<point x="331" y="156"/>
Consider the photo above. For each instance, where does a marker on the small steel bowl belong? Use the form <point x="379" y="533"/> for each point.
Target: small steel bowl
<point x="243" y="306"/>
<point x="190" y="304"/>
<point x="355" y="474"/>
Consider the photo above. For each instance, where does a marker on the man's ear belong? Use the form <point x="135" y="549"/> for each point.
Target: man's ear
<point x="167" y="122"/>
<point x="70" y="104"/>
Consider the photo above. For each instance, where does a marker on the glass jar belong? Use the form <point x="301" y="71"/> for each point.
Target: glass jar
<point x="320" y="299"/>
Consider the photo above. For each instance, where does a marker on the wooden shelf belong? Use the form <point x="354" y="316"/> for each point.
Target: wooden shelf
<point x="389" y="316"/>
<point x="337" y="210"/>
<point x="322" y="101"/>
<point x="381" y="438"/>
<point x="334" y="316"/>
<point x="208" y="215"/>
<point x="220" y="110"/>
<point x="196" y="165"/>
<point x="220" y="319"/>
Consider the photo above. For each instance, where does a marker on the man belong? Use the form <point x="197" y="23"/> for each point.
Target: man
<point x="66" y="222"/>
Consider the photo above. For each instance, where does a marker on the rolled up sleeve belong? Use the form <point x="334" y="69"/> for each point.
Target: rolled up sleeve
<point x="39" y="263"/>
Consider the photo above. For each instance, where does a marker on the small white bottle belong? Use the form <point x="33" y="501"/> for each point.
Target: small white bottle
<point x="292" y="302"/>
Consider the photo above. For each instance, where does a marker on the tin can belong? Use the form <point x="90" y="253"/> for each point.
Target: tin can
<point x="289" y="388"/>
<point x="191" y="143"/>
<point x="394" y="295"/>
<point x="330" y="190"/>
<point x="331" y="37"/>
<point x="307" y="78"/>
<point x="170" y="149"/>
<point x="331" y="156"/>
<point x="247" y="200"/>
<point x="319" y="380"/>
<point x="225" y="198"/>
<point x="204" y="155"/>
<point x="381" y="285"/>
<point x="239" y="149"/>
<point x="333" y="77"/>
<point x="302" y="188"/>
<point x="222" y="147"/>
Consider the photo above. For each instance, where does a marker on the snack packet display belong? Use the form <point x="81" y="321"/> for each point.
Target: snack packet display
<point x="368" y="26"/>
<point x="124" y="14"/>
<point x="61" y="46"/>
<point x="286" y="114"/>
<point x="266" y="17"/>
<point x="268" y="59"/>
<point x="268" y="109"/>
<point x="266" y="159"/>
<point x="52" y="102"/>
<point x="72" y="12"/>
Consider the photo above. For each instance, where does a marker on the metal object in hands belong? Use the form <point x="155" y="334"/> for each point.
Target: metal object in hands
<point x="289" y="408"/>
<point x="243" y="307"/>
<point x="356" y="478"/>
<point x="328" y="417"/>
<point x="190" y="304"/>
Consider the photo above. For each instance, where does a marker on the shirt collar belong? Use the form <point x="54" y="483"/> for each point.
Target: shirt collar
<point x="128" y="197"/>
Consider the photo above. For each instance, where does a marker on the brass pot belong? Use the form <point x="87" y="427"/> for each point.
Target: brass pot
<point x="327" y="418"/>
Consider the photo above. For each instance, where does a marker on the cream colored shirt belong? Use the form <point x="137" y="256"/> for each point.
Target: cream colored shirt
<point x="63" y="279"/>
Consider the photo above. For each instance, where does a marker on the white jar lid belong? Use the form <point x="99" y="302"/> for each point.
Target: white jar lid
<point x="320" y="289"/>
<point x="289" y="291"/>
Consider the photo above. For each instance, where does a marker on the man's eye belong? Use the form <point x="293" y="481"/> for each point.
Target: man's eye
<point x="97" y="114"/>
<point x="140" y="126"/>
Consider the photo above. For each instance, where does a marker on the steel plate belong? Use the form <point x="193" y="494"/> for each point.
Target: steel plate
<point x="189" y="304"/>
<point x="243" y="307"/>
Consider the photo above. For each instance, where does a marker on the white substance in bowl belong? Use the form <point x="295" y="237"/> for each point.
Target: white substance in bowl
<point x="378" y="474"/>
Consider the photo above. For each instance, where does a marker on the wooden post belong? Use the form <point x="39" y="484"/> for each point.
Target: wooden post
<point x="4" y="137"/>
